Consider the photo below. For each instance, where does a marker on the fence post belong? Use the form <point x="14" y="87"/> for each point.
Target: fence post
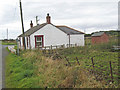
<point x="60" y="46"/>
<point x="63" y="45"/>
<point x="111" y="71"/>
<point x="49" y="51"/>
<point x="75" y="45"/>
<point x="92" y="63"/>
<point x="38" y="47"/>
<point x="45" y="51"/>
<point x="18" y="47"/>
<point x="67" y="61"/>
<point x="51" y="46"/>
<point x="77" y="61"/>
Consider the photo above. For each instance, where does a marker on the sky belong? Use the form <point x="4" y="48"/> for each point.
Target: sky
<point x="84" y="15"/>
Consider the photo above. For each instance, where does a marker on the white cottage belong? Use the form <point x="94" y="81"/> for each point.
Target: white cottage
<point x="47" y="34"/>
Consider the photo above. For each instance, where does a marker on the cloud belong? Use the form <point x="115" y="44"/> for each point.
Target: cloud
<point x="79" y="14"/>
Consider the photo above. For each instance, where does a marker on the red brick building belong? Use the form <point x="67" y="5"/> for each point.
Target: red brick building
<point x="100" y="37"/>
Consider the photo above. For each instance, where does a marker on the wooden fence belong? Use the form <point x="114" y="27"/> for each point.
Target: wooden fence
<point x="116" y="47"/>
<point x="48" y="51"/>
<point x="57" y="46"/>
<point x="94" y="70"/>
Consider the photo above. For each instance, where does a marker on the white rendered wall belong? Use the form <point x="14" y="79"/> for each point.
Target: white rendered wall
<point x="52" y="36"/>
<point x="77" y="39"/>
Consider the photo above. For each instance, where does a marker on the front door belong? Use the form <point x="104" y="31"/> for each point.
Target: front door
<point x="39" y="41"/>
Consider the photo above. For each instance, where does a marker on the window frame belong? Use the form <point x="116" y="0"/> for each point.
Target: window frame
<point x="39" y="41"/>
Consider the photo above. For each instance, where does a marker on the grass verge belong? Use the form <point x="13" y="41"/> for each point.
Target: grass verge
<point x="33" y="70"/>
<point x="19" y="72"/>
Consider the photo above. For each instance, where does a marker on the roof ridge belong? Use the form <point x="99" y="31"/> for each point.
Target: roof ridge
<point x="98" y="33"/>
<point x="60" y="25"/>
<point x="25" y="33"/>
<point x="70" y="28"/>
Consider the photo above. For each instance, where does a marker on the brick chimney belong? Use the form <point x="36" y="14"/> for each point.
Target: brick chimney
<point x="31" y="24"/>
<point x="48" y="19"/>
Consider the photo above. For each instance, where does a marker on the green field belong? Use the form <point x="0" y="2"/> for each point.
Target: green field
<point x="41" y="69"/>
<point x="13" y="42"/>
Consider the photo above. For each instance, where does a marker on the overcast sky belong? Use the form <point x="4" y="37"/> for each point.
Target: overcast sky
<point x="84" y="15"/>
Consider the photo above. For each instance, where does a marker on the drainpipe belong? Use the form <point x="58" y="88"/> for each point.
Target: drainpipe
<point x="69" y="39"/>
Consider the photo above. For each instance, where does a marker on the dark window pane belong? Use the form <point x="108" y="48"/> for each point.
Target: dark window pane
<point x="38" y="38"/>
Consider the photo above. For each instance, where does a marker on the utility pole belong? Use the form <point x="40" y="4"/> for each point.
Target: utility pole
<point x="22" y="24"/>
<point x="37" y="20"/>
<point x="7" y="34"/>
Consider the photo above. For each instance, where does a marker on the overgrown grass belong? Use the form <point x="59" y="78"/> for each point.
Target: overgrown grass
<point x="33" y="69"/>
<point x="101" y="54"/>
<point x="101" y="61"/>
<point x="37" y="71"/>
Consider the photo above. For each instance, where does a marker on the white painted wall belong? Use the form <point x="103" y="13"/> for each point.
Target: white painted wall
<point x="52" y="36"/>
<point x="77" y="39"/>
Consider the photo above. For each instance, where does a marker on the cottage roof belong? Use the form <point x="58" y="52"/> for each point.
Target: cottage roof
<point x="32" y="30"/>
<point x="65" y="29"/>
<point x="97" y="34"/>
<point x="69" y="30"/>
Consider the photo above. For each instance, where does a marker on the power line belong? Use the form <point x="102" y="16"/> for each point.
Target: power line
<point x="15" y="10"/>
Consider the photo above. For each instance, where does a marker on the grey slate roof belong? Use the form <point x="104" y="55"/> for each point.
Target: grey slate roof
<point x="65" y="29"/>
<point x="69" y="30"/>
<point x="97" y="34"/>
<point x="32" y="30"/>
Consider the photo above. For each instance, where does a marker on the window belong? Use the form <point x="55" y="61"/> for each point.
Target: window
<point x="39" y="41"/>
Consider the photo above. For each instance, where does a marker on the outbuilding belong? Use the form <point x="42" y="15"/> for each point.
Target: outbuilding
<point x="99" y="37"/>
<point x="47" y="34"/>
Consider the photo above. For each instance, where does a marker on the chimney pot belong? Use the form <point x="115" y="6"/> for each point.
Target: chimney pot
<point x="48" y="19"/>
<point x="31" y="24"/>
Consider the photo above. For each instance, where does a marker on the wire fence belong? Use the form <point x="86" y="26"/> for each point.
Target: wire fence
<point x="57" y="46"/>
<point x="101" y="72"/>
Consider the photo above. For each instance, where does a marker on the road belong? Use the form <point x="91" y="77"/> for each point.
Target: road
<point x="0" y="65"/>
<point x="3" y="54"/>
